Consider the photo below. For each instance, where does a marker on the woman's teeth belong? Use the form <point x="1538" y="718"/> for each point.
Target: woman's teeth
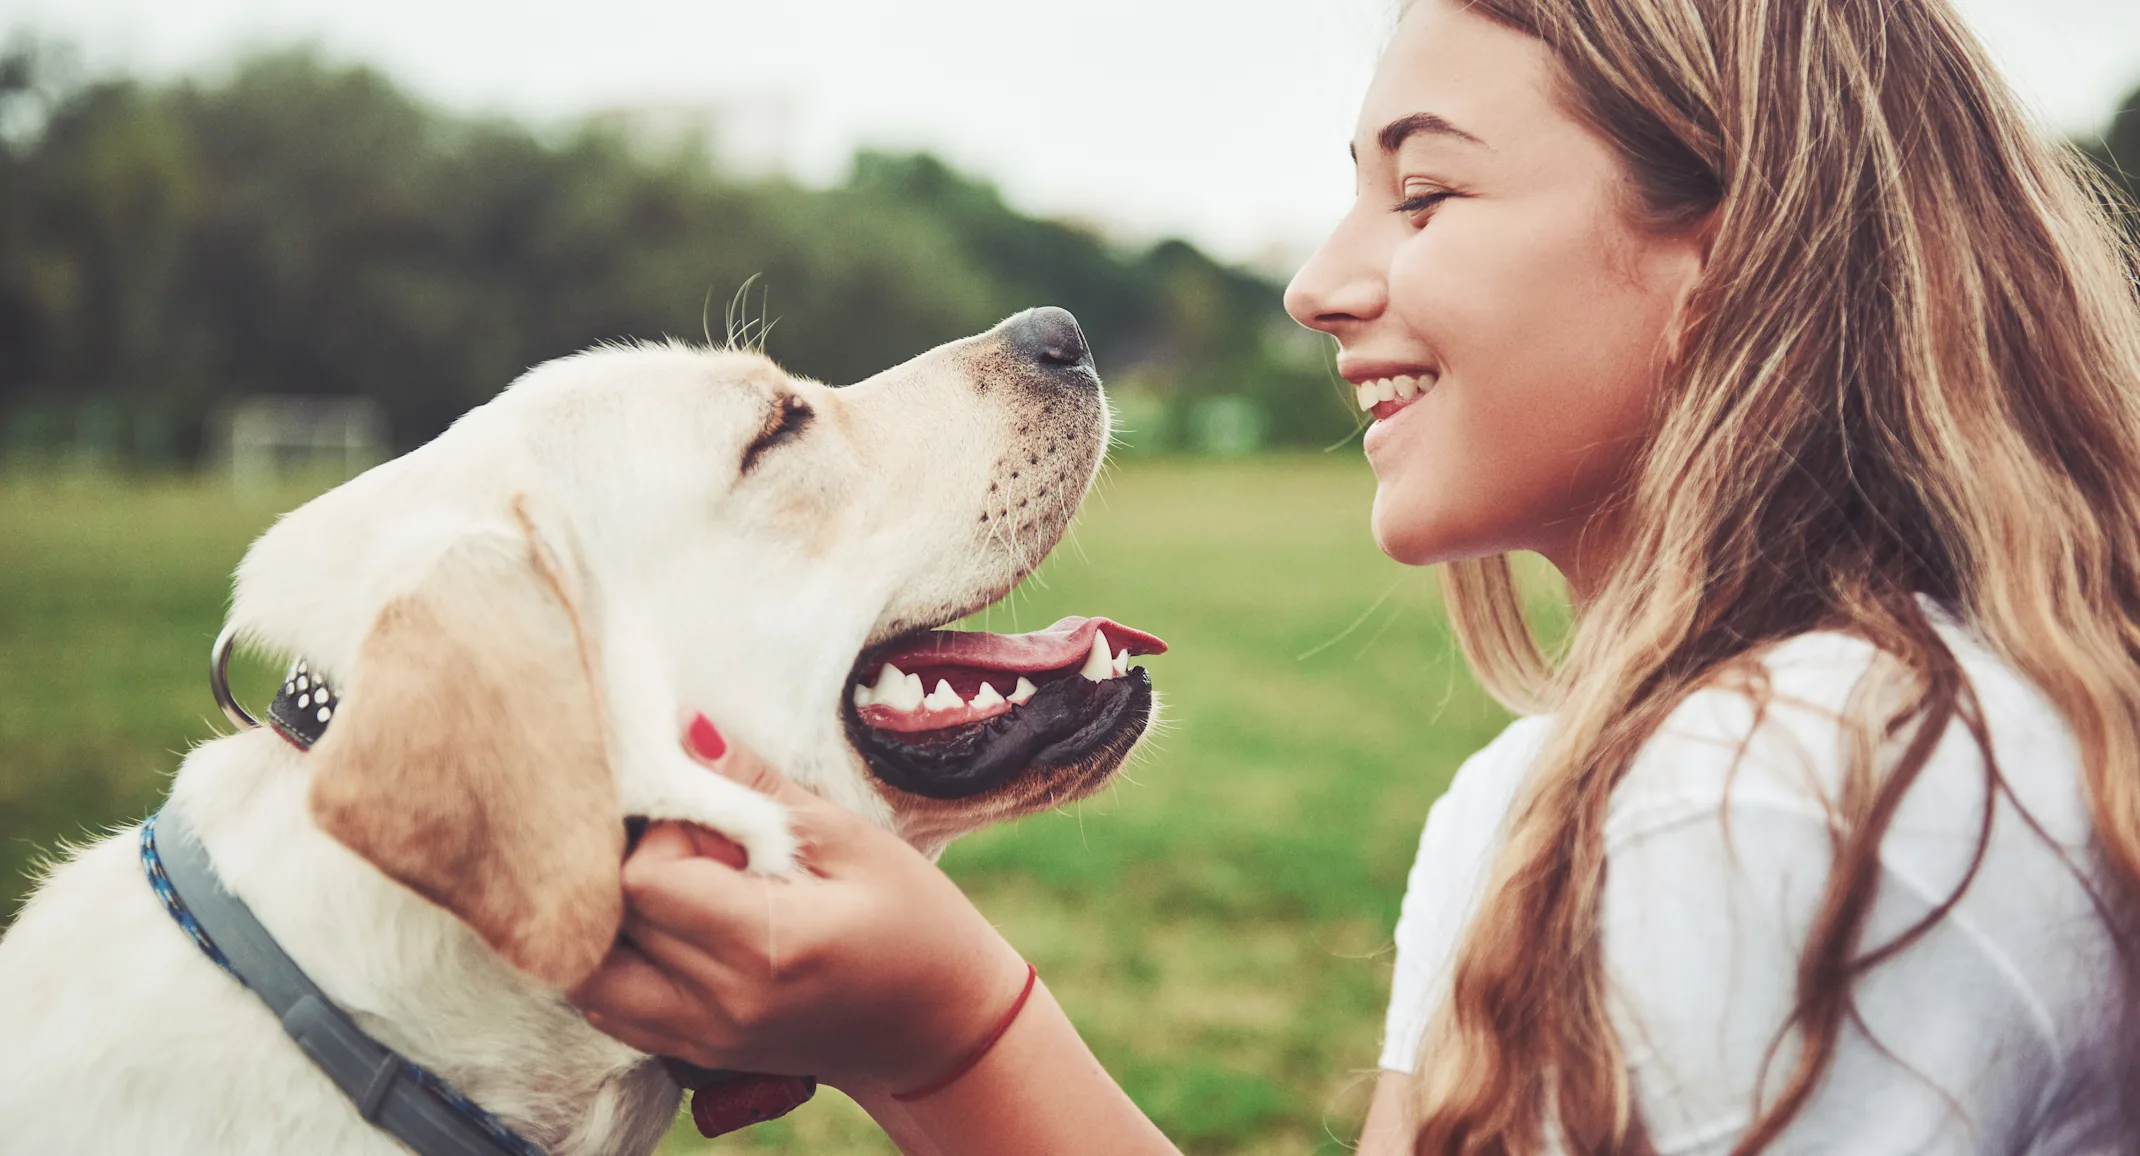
<point x="1403" y="387"/>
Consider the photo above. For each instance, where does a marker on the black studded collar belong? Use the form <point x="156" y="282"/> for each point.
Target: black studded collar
<point x="303" y="707"/>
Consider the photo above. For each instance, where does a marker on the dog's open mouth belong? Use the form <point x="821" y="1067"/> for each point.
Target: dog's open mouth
<point x="949" y="714"/>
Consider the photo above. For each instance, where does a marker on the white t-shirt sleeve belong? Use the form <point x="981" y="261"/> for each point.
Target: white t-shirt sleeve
<point x="1702" y="935"/>
<point x="1975" y="1039"/>
<point x="1719" y="854"/>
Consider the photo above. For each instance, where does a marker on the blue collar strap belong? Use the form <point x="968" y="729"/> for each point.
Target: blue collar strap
<point x="394" y="1093"/>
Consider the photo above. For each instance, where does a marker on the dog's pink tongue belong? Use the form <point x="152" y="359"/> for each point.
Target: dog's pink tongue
<point x="1060" y="645"/>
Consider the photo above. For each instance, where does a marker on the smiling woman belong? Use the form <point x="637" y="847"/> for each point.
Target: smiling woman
<point x="1492" y="259"/>
<point x="1771" y="325"/>
<point x="1733" y="314"/>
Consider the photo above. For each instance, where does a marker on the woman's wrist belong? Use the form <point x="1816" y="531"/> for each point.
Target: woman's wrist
<point x="980" y="1050"/>
<point x="1038" y="1090"/>
<point x="957" y="995"/>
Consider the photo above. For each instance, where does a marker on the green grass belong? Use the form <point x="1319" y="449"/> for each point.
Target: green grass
<point x="1218" y="924"/>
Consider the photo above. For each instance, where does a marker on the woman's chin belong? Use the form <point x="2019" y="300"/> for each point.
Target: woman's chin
<point x="1402" y="533"/>
<point x="1418" y="534"/>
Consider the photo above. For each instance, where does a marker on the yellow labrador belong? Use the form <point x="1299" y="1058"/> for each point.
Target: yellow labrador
<point x="517" y="620"/>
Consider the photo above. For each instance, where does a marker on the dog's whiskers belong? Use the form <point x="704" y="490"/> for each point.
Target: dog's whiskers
<point x="745" y="333"/>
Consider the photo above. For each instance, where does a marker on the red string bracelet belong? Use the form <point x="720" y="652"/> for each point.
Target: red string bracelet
<point x="1032" y="976"/>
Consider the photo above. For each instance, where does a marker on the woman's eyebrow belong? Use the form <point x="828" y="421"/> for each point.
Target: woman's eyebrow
<point x="1404" y="128"/>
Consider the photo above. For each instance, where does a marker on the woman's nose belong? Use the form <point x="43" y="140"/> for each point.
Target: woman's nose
<point x="1340" y="286"/>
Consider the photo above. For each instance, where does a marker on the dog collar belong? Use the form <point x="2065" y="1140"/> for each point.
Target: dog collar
<point x="302" y="708"/>
<point x="392" y="1092"/>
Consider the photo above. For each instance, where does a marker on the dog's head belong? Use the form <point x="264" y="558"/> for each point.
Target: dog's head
<point x="521" y="616"/>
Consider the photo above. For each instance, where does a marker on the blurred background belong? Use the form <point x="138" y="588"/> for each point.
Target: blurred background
<point x="249" y="247"/>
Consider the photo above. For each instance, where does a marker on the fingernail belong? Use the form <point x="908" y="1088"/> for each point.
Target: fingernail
<point x="706" y="740"/>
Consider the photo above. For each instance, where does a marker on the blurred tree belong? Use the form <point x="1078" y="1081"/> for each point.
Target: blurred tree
<point x="2121" y="144"/>
<point x="2118" y="152"/>
<point x="302" y="227"/>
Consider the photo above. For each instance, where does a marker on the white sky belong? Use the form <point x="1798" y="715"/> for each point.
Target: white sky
<point x="1221" y="120"/>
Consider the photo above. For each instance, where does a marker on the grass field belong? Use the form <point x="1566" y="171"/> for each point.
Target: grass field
<point x="1218" y="924"/>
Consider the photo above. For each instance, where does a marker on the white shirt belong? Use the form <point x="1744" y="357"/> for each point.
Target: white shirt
<point x="2009" y="1028"/>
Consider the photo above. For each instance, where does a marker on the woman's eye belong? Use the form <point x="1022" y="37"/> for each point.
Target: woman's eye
<point x="1422" y="202"/>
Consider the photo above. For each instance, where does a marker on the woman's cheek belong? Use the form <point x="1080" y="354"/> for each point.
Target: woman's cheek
<point x="1457" y="483"/>
<point x="1547" y="353"/>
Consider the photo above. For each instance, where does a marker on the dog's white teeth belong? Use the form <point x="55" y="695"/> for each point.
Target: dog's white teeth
<point x="943" y="697"/>
<point x="1121" y="664"/>
<point x="987" y="696"/>
<point x="1367" y="394"/>
<point x="863" y="697"/>
<point x="895" y="688"/>
<point x="1100" y="665"/>
<point x="1407" y="387"/>
<point x="1023" y="693"/>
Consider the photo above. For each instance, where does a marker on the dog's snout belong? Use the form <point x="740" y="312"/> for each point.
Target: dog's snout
<point x="1051" y="337"/>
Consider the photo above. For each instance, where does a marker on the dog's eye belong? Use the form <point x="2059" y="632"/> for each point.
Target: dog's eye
<point x="785" y="423"/>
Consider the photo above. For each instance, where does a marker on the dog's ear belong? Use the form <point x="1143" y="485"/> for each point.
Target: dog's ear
<point x="470" y="757"/>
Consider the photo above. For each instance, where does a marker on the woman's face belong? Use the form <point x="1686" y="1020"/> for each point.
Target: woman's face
<point x="1492" y="258"/>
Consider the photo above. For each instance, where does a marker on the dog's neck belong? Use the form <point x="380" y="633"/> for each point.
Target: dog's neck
<point x="409" y="973"/>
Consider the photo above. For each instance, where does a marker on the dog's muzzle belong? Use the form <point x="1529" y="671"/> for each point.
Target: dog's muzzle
<point x="1066" y="724"/>
<point x="1059" y="707"/>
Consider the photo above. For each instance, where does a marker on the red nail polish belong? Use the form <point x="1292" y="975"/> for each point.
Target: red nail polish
<point x="706" y="740"/>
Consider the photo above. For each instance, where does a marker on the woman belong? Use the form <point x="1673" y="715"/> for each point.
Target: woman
<point x="1771" y="326"/>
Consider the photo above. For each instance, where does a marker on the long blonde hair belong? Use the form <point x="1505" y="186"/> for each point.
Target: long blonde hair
<point x="1912" y="367"/>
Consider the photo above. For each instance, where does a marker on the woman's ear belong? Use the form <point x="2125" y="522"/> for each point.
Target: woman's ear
<point x="470" y="758"/>
<point x="1686" y="268"/>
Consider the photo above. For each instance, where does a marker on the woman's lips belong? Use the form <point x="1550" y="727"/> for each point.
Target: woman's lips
<point x="1385" y="410"/>
<point x="1384" y="413"/>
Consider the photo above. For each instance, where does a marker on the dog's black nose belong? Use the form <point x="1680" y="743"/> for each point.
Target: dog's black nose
<point x="1051" y="337"/>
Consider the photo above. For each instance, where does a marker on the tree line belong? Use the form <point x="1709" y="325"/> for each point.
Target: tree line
<point x="305" y="227"/>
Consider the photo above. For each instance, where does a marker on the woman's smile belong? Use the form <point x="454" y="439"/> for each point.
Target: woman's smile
<point x="1386" y="394"/>
<point x="1386" y="410"/>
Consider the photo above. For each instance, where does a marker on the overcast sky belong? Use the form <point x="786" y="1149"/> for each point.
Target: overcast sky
<point x="1222" y="120"/>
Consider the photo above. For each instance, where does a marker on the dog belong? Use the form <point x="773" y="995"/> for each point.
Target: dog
<point x="519" y="620"/>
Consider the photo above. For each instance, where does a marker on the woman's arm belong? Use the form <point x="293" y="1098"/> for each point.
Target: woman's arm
<point x="1386" y="1132"/>
<point x="1039" y="1090"/>
<point x="868" y="969"/>
<point x="897" y="1122"/>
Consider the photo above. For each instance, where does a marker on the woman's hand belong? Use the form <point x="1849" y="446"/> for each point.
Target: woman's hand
<point x="867" y="968"/>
